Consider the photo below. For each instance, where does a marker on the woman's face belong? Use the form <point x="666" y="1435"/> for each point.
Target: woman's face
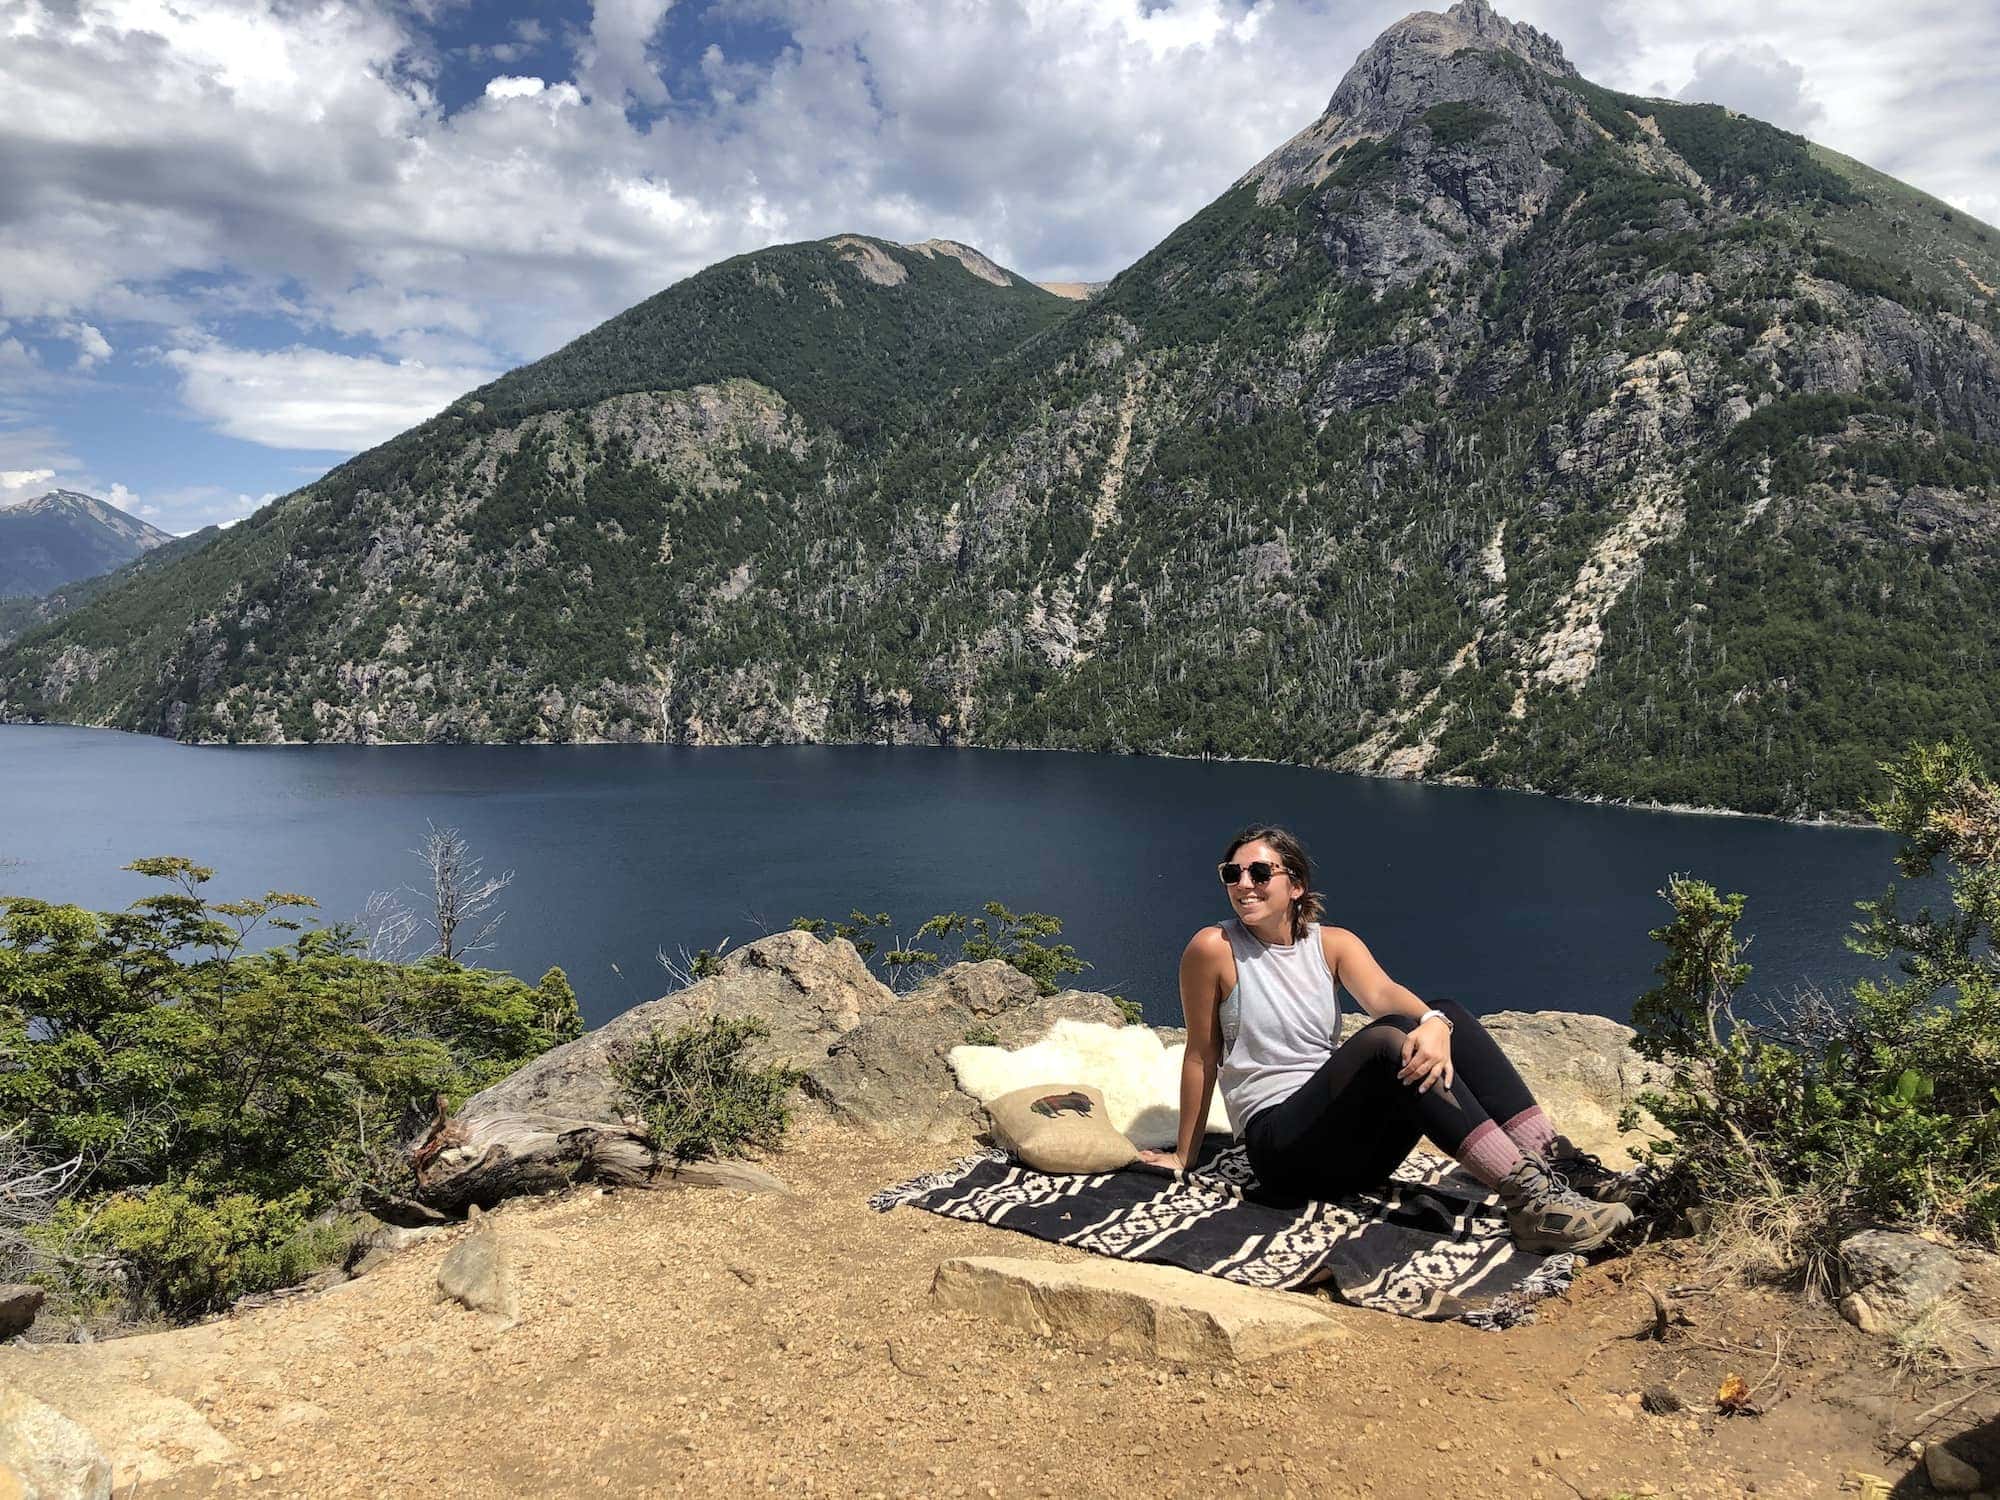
<point x="1253" y="902"/>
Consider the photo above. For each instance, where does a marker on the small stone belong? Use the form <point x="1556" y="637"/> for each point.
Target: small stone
<point x="478" y="1274"/>
<point x="1949" y="1474"/>
<point x="18" y="1306"/>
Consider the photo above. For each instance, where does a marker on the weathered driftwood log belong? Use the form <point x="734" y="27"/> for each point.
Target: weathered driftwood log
<point x="492" y="1157"/>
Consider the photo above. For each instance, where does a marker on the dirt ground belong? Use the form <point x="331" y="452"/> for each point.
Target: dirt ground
<point x="711" y="1341"/>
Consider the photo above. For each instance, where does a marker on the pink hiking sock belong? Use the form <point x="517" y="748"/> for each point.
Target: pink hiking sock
<point x="1532" y="1131"/>
<point x="1489" y="1153"/>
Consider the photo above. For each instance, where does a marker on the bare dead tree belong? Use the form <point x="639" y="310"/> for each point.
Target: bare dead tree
<point x="387" y="927"/>
<point x="30" y="1189"/>
<point x="458" y="908"/>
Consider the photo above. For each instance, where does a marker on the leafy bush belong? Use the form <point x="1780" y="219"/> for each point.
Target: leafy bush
<point x="995" y="932"/>
<point x="1883" y="1107"/>
<point x="699" y="1095"/>
<point x="1015" y="937"/>
<point x="1456" y="123"/>
<point x="188" y="1250"/>
<point x="199" y="1101"/>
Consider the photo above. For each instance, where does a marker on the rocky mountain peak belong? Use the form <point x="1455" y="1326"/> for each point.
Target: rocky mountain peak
<point x="1428" y="58"/>
<point x="979" y="265"/>
<point x="63" y="536"/>
<point x="1401" y="69"/>
<point x="53" y="500"/>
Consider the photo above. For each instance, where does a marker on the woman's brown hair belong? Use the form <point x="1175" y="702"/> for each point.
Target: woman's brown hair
<point x="1306" y="906"/>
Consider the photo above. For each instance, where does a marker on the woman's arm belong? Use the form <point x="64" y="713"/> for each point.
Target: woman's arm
<point x="1427" y="1052"/>
<point x="1205" y="967"/>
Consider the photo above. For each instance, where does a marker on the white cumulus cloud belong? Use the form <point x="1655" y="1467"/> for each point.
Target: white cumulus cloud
<point x="92" y="348"/>
<point x="312" y="398"/>
<point x="509" y="87"/>
<point x="295" y="164"/>
<point x="23" y="484"/>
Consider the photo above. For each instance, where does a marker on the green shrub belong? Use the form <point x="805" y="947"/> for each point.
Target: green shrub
<point x="1879" y="1107"/>
<point x="209" y="1098"/>
<point x="698" y="1094"/>
<point x="1015" y="937"/>
<point x="188" y="1250"/>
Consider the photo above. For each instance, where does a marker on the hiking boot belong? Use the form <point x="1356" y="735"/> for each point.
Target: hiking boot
<point x="1592" y="1178"/>
<point x="1546" y="1214"/>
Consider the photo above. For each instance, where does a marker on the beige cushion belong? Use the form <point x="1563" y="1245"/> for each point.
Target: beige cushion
<point x="1060" y="1127"/>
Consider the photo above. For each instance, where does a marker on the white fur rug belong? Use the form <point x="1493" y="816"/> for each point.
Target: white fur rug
<point x="1140" y="1078"/>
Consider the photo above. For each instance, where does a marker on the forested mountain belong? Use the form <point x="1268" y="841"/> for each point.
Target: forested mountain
<point x="18" y="616"/>
<point x="65" y="535"/>
<point x="1497" y="426"/>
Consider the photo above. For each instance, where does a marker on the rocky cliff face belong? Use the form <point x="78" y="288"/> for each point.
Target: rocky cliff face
<point x="1496" y="427"/>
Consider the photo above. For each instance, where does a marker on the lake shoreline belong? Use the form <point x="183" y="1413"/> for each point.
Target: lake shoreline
<point x="1819" y="820"/>
<point x="1524" y="902"/>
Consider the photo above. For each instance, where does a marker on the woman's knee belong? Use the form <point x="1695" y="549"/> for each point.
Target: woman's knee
<point x="1457" y="1014"/>
<point x="1384" y="1039"/>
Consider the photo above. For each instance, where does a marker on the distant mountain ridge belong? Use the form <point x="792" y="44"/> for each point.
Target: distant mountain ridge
<point x="1498" y="427"/>
<point x="66" y="535"/>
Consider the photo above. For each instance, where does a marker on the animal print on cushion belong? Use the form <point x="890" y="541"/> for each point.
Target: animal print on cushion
<point x="1060" y="1127"/>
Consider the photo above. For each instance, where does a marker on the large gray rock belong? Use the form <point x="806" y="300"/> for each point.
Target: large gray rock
<point x="986" y="988"/>
<point x="809" y="993"/>
<point x="1159" y="1312"/>
<point x="1581" y="1069"/>
<point x="890" y="1074"/>
<point x="1892" y="1279"/>
<point x="45" y="1454"/>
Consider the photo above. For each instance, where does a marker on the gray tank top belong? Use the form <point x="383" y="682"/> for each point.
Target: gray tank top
<point x="1279" y="1024"/>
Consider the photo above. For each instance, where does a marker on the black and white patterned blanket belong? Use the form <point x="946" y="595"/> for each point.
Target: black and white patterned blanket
<point x="1432" y="1245"/>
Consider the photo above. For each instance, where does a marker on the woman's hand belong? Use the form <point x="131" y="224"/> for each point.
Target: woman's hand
<point x="1171" y="1160"/>
<point x="1427" y="1056"/>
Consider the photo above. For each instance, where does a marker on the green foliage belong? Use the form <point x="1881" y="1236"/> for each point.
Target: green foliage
<point x="1611" y="112"/>
<point x="993" y="932"/>
<point x="1883" y="1108"/>
<point x="189" y="1250"/>
<point x="1016" y="937"/>
<point x="1457" y="123"/>
<point x="699" y="1095"/>
<point x="245" y="1086"/>
<point x="982" y="1036"/>
<point x="854" y="929"/>
<point x="850" y="360"/>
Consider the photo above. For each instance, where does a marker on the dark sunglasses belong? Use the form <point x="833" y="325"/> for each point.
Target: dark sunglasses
<point x="1261" y="871"/>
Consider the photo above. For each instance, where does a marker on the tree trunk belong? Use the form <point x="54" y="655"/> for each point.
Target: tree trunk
<point x="463" y="1162"/>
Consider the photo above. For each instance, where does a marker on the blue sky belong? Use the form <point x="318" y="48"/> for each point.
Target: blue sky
<point x="242" y="241"/>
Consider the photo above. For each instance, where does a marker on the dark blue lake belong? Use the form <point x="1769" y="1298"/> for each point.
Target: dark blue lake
<point x="1504" y="900"/>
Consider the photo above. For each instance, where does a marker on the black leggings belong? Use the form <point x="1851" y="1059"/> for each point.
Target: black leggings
<point x="1348" y="1126"/>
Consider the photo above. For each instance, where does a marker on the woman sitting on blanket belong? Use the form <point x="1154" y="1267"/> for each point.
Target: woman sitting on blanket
<point x="1320" y="1117"/>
